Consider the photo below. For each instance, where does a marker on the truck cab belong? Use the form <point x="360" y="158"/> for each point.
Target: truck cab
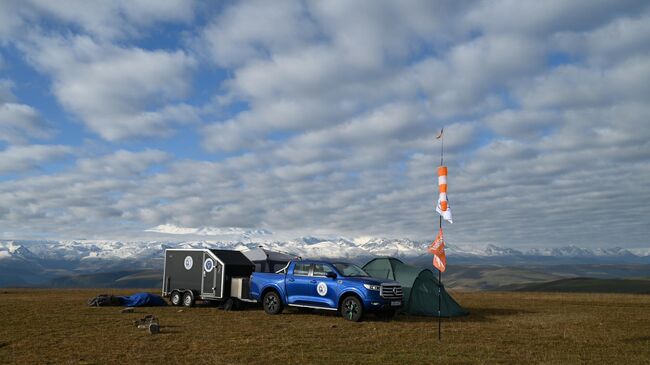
<point x="336" y="286"/>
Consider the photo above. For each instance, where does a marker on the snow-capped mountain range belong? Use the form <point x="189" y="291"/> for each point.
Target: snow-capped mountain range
<point x="83" y="250"/>
<point x="52" y="263"/>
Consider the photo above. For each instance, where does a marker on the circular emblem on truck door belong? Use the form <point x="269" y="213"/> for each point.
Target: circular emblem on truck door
<point x="321" y="289"/>
<point x="208" y="265"/>
<point x="188" y="262"/>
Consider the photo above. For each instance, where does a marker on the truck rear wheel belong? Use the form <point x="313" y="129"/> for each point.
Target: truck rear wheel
<point x="352" y="309"/>
<point x="188" y="299"/>
<point x="272" y="302"/>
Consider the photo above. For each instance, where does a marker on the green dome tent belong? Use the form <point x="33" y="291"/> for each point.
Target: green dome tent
<point x="420" y="287"/>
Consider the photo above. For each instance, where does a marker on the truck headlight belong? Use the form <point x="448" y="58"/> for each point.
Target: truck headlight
<point x="372" y="287"/>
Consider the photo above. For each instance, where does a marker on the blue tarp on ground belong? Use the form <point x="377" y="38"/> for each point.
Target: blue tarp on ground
<point x="143" y="300"/>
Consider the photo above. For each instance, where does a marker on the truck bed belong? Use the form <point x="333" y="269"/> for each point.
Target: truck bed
<point x="261" y="280"/>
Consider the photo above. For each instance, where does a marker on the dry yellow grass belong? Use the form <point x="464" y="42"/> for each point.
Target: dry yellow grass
<point x="55" y="326"/>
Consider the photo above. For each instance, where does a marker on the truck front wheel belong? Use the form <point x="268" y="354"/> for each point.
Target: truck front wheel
<point x="272" y="303"/>
<point x="352" y="309"/>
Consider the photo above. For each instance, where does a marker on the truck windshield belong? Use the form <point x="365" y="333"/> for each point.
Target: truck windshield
<point x="350" y="269"/>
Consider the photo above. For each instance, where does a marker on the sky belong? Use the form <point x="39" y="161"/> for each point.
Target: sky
<point x="131" y="118"/>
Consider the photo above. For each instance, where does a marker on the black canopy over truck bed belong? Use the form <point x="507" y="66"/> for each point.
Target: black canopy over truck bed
<point x="206" y="274"/>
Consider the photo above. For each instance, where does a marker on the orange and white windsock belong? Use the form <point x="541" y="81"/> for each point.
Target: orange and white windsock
<point x="443" y="205"/>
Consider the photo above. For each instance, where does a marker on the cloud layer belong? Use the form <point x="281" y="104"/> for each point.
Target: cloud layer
<point x="320" y="118"/>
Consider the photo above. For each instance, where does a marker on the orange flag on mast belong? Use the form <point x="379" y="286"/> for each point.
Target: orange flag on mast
<point x="437" y="248"/>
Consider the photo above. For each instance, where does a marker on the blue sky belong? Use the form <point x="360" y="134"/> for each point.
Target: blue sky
<point x="127" y="120"/>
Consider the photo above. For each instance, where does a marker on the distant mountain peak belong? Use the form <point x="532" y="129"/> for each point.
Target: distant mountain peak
<point x="493" y="250"/>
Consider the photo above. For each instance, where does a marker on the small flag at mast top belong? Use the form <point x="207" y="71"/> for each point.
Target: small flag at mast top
<point x="439" y="135"/>
<point x="437" y="248"/>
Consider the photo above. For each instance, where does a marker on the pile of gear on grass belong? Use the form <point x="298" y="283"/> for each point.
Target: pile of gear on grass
<point x="148" y="322"/>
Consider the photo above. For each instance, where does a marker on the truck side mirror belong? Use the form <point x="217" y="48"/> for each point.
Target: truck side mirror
<point x="331" y="274"/>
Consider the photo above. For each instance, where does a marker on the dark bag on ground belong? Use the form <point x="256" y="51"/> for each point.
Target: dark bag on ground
<point x="105" y="300"/>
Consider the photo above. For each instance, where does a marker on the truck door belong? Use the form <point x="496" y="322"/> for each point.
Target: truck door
<point x="324" y="290"/>
<point x="210" y="286"/>
<point x="298" y="285"/>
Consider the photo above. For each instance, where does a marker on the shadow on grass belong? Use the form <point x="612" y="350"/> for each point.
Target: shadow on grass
<point x="489" y="314"/>
<point x="475" y="315"/>
<point x="4" y="344"/>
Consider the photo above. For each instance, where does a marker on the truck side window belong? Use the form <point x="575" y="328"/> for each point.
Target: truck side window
<point x="301" y="269"/>
<point x="321" y="269"/>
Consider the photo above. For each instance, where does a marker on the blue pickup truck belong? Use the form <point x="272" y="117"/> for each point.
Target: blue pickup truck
<point x="326" y="285"/>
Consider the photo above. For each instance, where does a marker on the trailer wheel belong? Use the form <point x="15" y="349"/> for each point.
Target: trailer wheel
<point x="272" y="302"/>
<point x="175" y="298"/>
<point x="352" y="309"/>
<point x="188" y="299"/>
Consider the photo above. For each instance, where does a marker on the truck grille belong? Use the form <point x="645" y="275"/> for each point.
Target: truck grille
<point x="391" y="291"/>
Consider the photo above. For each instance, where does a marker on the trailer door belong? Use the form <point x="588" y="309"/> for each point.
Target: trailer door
<point x="210" y="286"/>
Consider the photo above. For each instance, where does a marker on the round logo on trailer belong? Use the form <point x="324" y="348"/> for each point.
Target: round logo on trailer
<point x="321" y="289"/>
<point x="208" y="265"/>
<point x="188" y="262"/>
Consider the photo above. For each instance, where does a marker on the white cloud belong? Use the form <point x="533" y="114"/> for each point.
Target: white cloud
<point x="542" y="18"/>
<point x="19" y="122"/>
<point x="468" y="75"/>
<point x="118" y="92"/>
<point x="254" y="29"/>
<point x="81" y="199"/>
<point x="523" y="123"/>
<point x="107" y="20"/>
<point x="10" y="19"/>
<point x="6" y="95"/>
<point x="615" y="41"/>
<point x="356" y="65"/>
<point x="571" y="85"/>
<point x="122" y="163"/>
<point x="23" y="158"/>
<point x="222" y="232"/>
